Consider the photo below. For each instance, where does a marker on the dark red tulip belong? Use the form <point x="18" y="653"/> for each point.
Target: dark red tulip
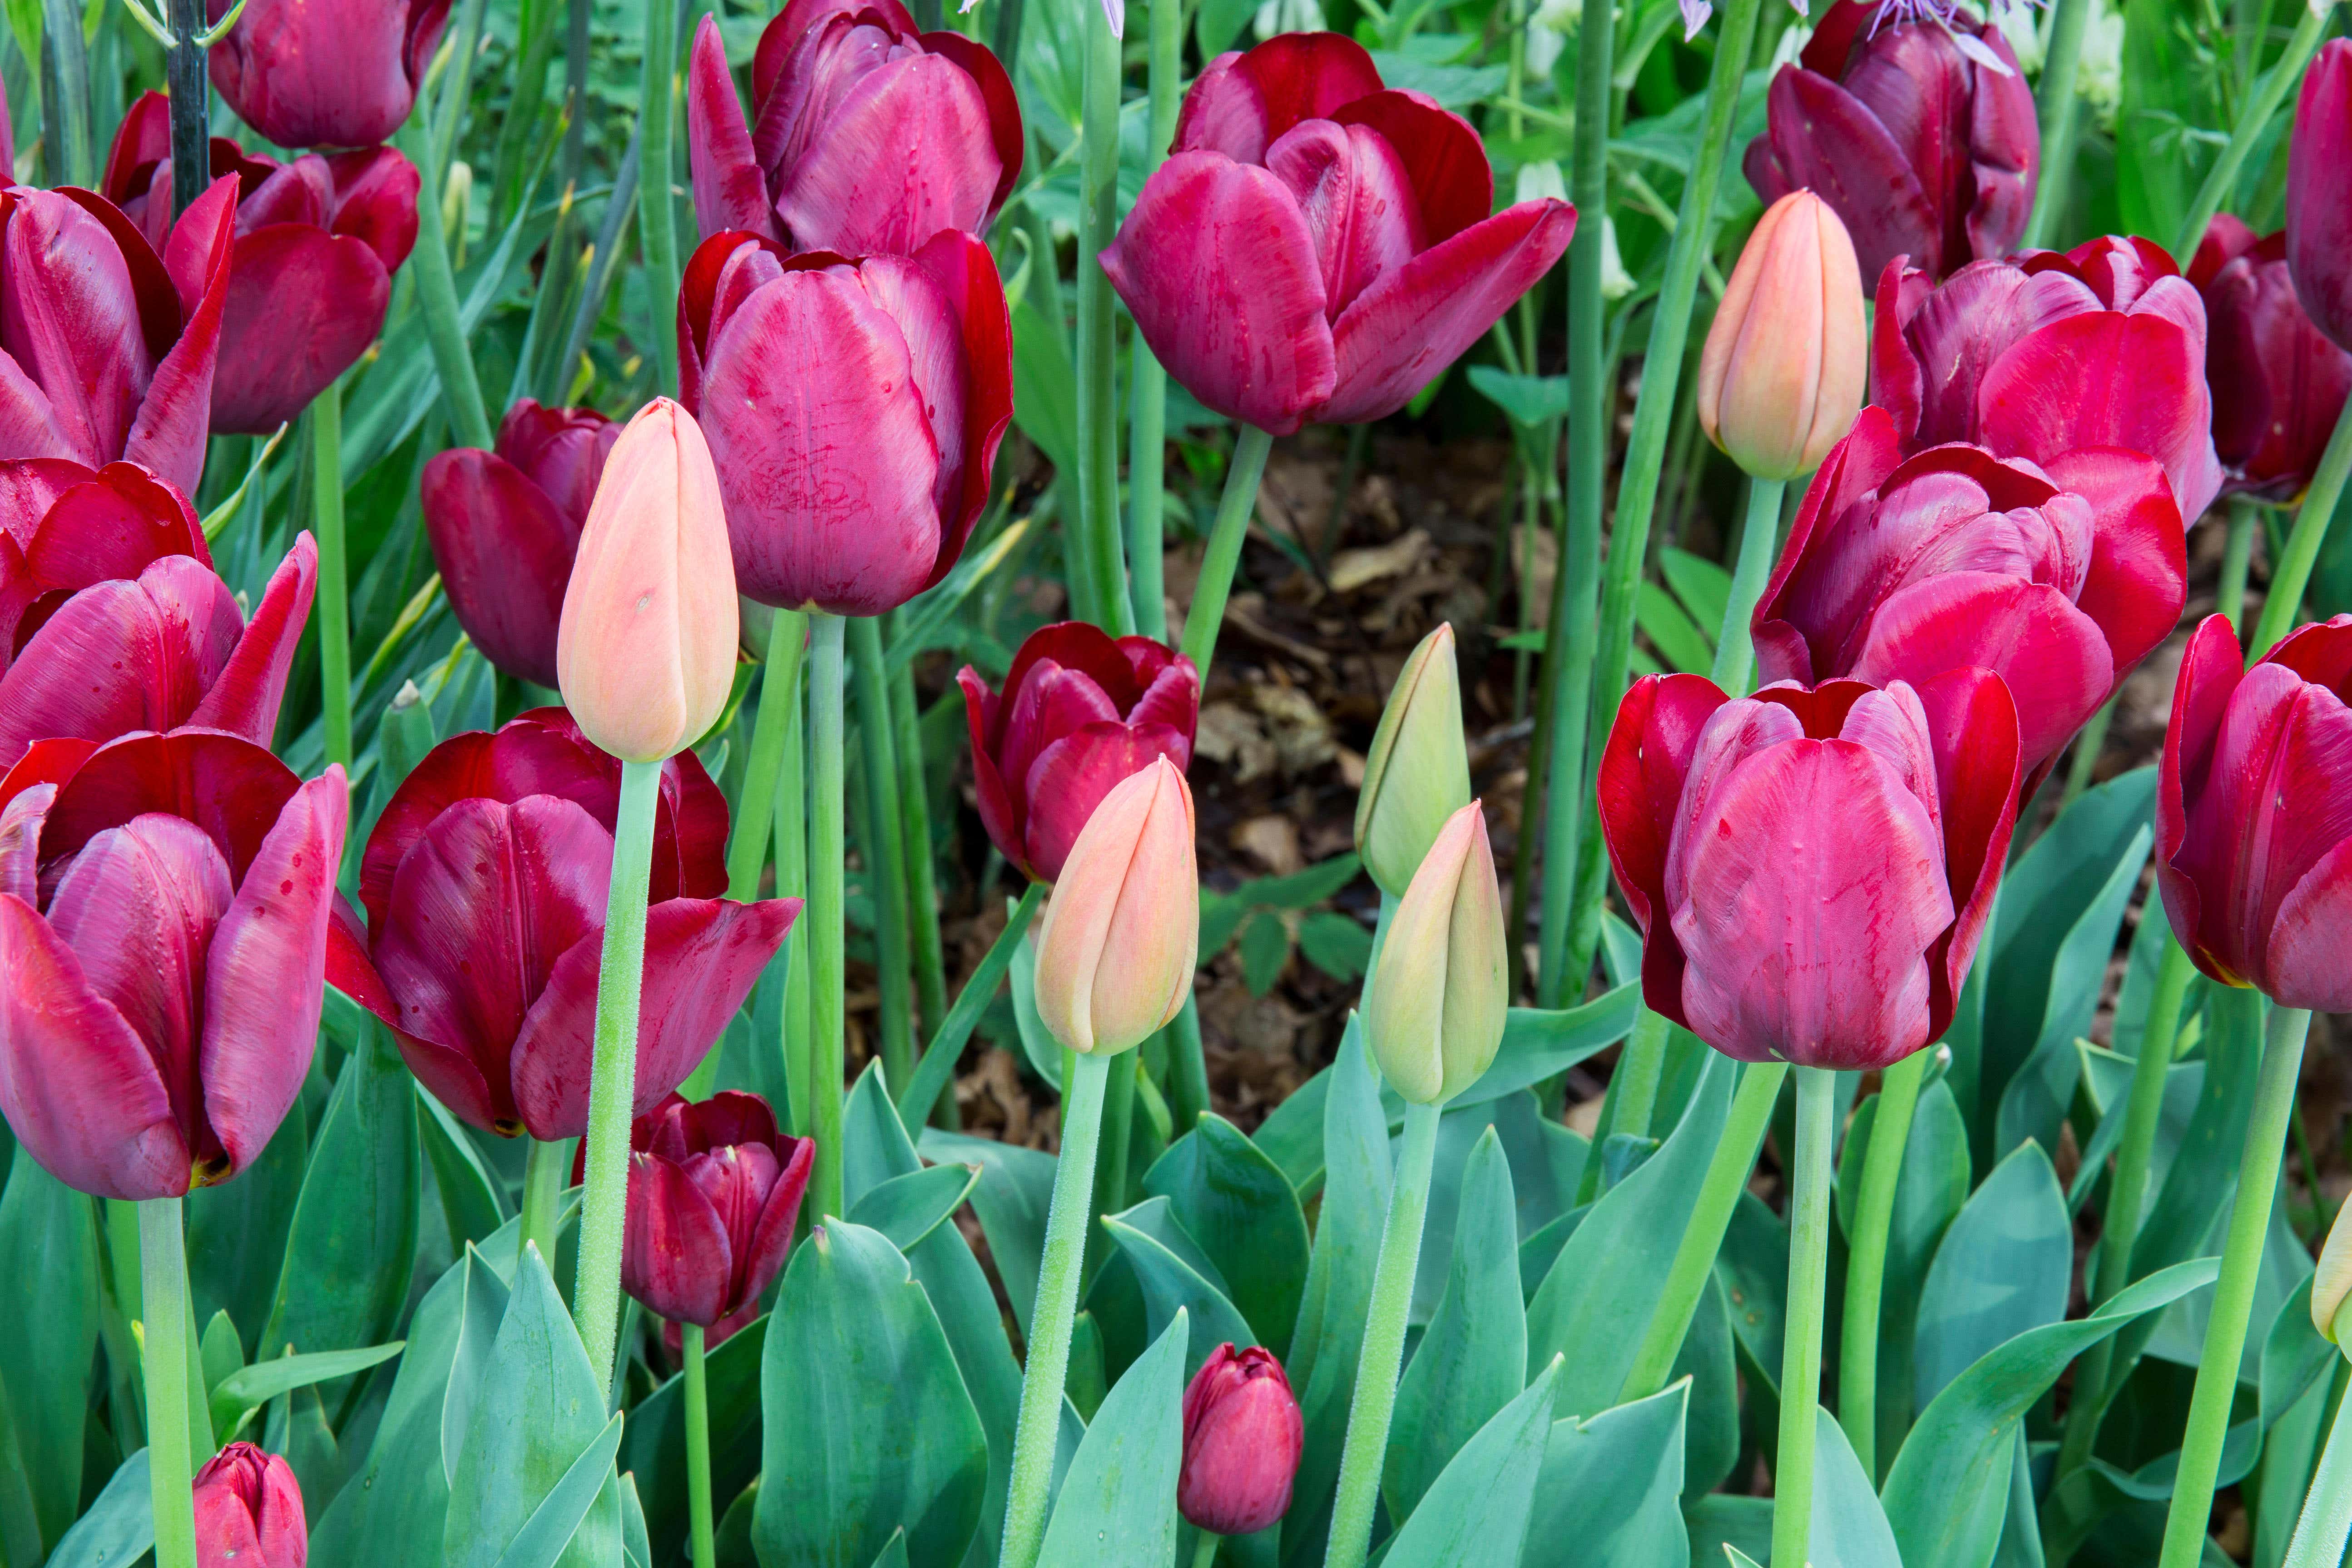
<point x="249" y="1511"/>
<point x="318" y="241"/>
<point x="111" y="341"/>
<point x="1242" y="1434"/>
<point x="1921" y="134"/>
<point x="1810" y="869"/>
<point x="1900" y="569"/>
<point x="1317" y="246"/>
<point x="164" y="904"/>
<point x="2318" y="207"/>
<point x="1080" y="711"/>
<point x="484" y="884"/>
<point x="2040" y="354"/>
<point x="855" y="491"/>
<point x="2253" y="823"/>
<point x="867" y="136"/>
<point x="2277" y="382"/>
<point x="111" y="619"/>
<point x="325" y="73"/>
<point x="506" y="524"/>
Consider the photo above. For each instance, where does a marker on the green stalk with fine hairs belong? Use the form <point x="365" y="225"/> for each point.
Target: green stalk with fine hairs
<point x="170" y="1461"/>
<point x="886" y="851"/>
<point x="697" y="1448"/>
<point x="823" y="914"/>
<point x="1801" y="1356"/>
<point x="1866" y="1270"/>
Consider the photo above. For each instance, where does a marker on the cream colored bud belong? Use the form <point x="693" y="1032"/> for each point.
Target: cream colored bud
<point x="1418" y="773"/>
<point x="1433" y="1013"/>
<point x="1780" y="379"/>
<point x="1122" y="935"/>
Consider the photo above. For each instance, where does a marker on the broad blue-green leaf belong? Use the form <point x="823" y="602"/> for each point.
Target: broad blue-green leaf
<point x="219" y="1351"/>
<point x="1711" y="1426"/>
<point x="1037" y="1044"/>
<point x="1928" y="1196"/>
<point x="1609" y="1493"/>
<point x="119" y="1527"/>
<point x="1544" y="1170"/>
<point x="1703" y="586"/>
<point x="654" y="1447"/>
<point x="48" y="1255"/>
<point x="1848" y="1529"/>
<point x="476" y="1338"/>
<point x="637" y="1547"/>
<point x="1242" y="1213"/>
<point x="20" y="1527"/>
<point x="909" y="1207"/>
<point x="1477" y="1510"/>
<point x="247" y="1388"/>
<point x="873" y="1138"/>
<point x="895" y="1554"/>
<point x="1177" y="1280"/>
<point x="1044" y="390"/>
<point x="1753" y="1265"/>
<point x="1015" y="1189"/>
<point x="1117" y="1506"/>
<point x="2106" y="1080"/>
<point x="2004" y="1268"/>
<point x="471" y="1202"/>
<point x="236" y="1233"/>
<point x="554" y="1522"/>
<point x="1720" y="1524"/>
<point x="1527" y="401"/>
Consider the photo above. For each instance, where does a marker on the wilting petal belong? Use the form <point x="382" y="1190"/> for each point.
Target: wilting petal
<point x="859" y="190"/>
<point x="1241" y="102"/>
<point x="675" y="1256"/>
<point x="504" y="551"/>
<point x="303" y="305"/>
<point x="729" y="189"/>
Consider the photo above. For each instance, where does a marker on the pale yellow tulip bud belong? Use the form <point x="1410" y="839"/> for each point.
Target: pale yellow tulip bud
<point x="2333" y="1281"/>
<point x="1122" y="935"/>
<point x="1780" y="379"/>
<point x="1418" y="773"/>
<point x="1433" y="1013"/>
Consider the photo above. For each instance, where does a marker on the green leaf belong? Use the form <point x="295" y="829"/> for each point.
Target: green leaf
<point x="560" y="1514"/>
<point x="1220" y="916"/>
<point x="1238" y="1207"/>
<point x="1477" y="1510"/>
<point x="248" y="1388"/>
<point x="1679" y="640"/>
<point x="1335" y="943"/>
<point x="118" y="1528"/>
<point x="895" y="1554"/>
<point x="1044" y="1053"/>
<point x="909" y="1207"/>
<point x="1539" y="1045"/>
<point x="1302" y="890"/>
<point x="471" y="1202"/>
<point x="1753" y="1265"/>
<point x="1527" y="401"/>
<point x="1116" y="1505"/>
<point x="1044" y="389"/>
<point x="2004" y="1268"/>
<point x="636" y="1548"/>
<point x="1217" y="25"/>
<point x="2106" y="1081"/>
<point x="219" y="1352"/>
<point x="1177" y="1279"/>
<point x="1608" y="1495"/>
<point x="653" y="1448"/>
<point x="49" y="1251"/>
<point x="1849" y="1527"/>
<point x="1703" y="588"/>
<point x="1711" y="1428"/>
<point x="1266" y="948"/>
<point x="236" y="1233"/>
<point x="1016" y="1187"/>
<point x="20" y="1527"/>
<point x="1928" y="1196"/>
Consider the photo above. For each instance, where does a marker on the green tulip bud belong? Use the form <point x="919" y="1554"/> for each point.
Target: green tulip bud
<point x="1433" y="1012"/>
<point x="1418" y="771"/>
<point x="2332" y="1282"/>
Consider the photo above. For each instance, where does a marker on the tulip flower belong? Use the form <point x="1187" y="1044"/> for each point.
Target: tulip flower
<point x="2278" y="383"/>
<point x="2253" y="845"/>
<point x="1317" y="246"/>
<point x="249" y="1511"/>
<point x="1780" y="380"/>
<point x="505" y="525"/>
<point x="484" y="884"/>
<point x="1810" y="869"/>
<point x="2332" y="1280"/>
<point x="116" y="622"/>
<point x="1919" y="131"/>
<point x="164" y="904"/>
<point x="644" y="649"/>
<point x="1901" y="569"/>
<point x="866" y="135"/>
<point x="1417" y="774"/>
<point x="1115" y="953"/>
<point x="110" y="346"/>
<point x="2318" y="217"/>
<point x="1242" y="1434"/>
<point x="309" y="276"/>
<point x="1433" y="1011"/>
<point x="325" y="73"/>
<point x="856" y="490"/>
<point x="2041" y="354"/>
<point x="1080" y="711"/>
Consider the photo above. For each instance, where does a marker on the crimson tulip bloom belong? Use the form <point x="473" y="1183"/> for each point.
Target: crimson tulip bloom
<point x="318" y="241"/>
<point x="111" y="341"/>
<point x="866" y="135"/>
<point x="1920" y="133"/>
<point x="325" y="73"/>
<point x="2254" y="824"/>
<point x="1317" y="246"/>
<point x="1242" y="1434"/>
<point x="505" y="526"/>
<point x="2040" y="354"/>
<point x="1900" y="569"/>
<point x="854" y="490"/>
<point x="484" y="884"/>
<point x="112" y="621"/>
<point x="1080" y="711"/>
<point x="249" y="1511"/>
<point x="1810" y="869"/>
<point x="2278" y="381"/>
<point x="2318" y="215"/>
<point x="164" y="903"/>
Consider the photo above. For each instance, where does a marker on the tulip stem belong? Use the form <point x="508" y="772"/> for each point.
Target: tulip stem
<point x="698" y="1446"/>
<point x="780" y="701"/>
<point x="546" y="1171"/>
<point x="827" y="1016"/>
<point x="164" y="1303"/>
<point x="1759" y="539"/>
<point x="2058" y="102"/>
<point x="2310" y="27"/>
<point x="929" y="1078"/>
<point x="1631" y="1096"/>
<point x="2234" y="1294"/>
<point x="1866" y="1270"/>
<point x="2237" y="551"/>
<point x="1103" y="560"/>
<point x="796" y="1023"/>
<point x="1048" y="1361"/>
<point x="191" y="104"/>
<point x="1205" y="1554"/>
<point x="1147" y="447"/>
<point x="1800" y="1355"/>
<point x="2282" y="604"/>
<point x="2326" y="1521"/>
<point x="612" y="1074"/>
<point x="1188" y="1088"/>
<point x="334" y="600"/>
<point x="656" y="212"/>
<point x="444" y="327"/>
<point x="1235" y="508"/>
<point x="1383" y="1343"/>
<point x="884" y="850"/>
<point x="921" y="885"/>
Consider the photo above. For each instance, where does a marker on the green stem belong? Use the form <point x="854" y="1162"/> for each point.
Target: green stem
<point x="1189" y="1099"/>
<point x="2310" y="25"/>
<point x="2326" y="1521"/>
<point x="1735" y="650"/>
<point x="1104" y="558"/>
<point x="1048" y="1365"/>
<point x="2282" y="604"/>
<point x="449" y="107"/>
<point x="2084" y="763"/>
<point x="778" y="716"/>
<point x="929" y="1078"/>
<point x="656" y="213"/>
<point x="2237" y="551"/>
<point x="1632" y="1094"/>
<point x="1383" y="1344"/>
<point x="612" y="1074"/>
<point x="164" y="1297"/>
<point x="792" y="882"/>
<point x="546" y="1171"/>
<point x="2058" y="104"/>
<point x="698" y="1446"/>
<point x="1801" y="1356"/>
<point x="1235" y="508"/>
<point x="824" y="913"/>
<point x="445" y="330"/>
<point x="1111" y="1170"/>
<point x="1865" y="1268"/>
<point x="335" y="591"/>
<point x="922" y="893"/>
<point x="1726" y="1177"/>
<point x="1205" y="1554"/>
<point x="2234" y="1294"/>
<point x="1146" y="444"/>
<point x="64" y="95"/>
<point x="885" y="853"/>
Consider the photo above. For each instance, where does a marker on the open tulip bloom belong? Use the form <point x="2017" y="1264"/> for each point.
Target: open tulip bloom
<point x="2278" y="384"/>
<point x="325" y="73"/>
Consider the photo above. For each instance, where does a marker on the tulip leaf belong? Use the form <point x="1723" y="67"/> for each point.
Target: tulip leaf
<point x="2107" y="1078"/>
<point x="1117" y="1504"/>
<point x="1527" y="401"/>
<point x="1753" y="1264"/>
<point x="1237" y="1206"/>
<point x="1849" y="1527"/>
<point x="1707" y="1357"/>
<point x="1540" y="1044"/>
<point x="1739" y="1558"/>
<point x="49" y="1248"/>
<point x="2004" y="1269"/>
<point x="248" y="1388"/>
<point x="118" y="1528"/>
<point x="1044" y="1052"/>
<point x="1680" y="641"/>
<point x="873" y="1146"/>
<point x="1543" y="1179"/>
<point x="895" y="1554"/>
<point x="653" y="1449"/>
<point x="1477" y="1510"/>
<point x="471" y="1202"/>
<point x="1609" y="1493"/>
<point x="1176" y="1278"/>
<point x="1044" y="383"/>
<point x="238" y="1230"/>
<point x="855" y="1344"/>
<point x="636" y="1546"/>
<point x="1016" y="1185"/>
<point x="909" y="1207"/>
<point x="559" y="1515"/>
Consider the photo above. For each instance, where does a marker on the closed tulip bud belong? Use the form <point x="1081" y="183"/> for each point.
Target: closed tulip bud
<point x="1116" y="954"/>
<point x="2318" y="213"/>
<point x="1418" y="772"/>
<point x="249" y="1511"/>
<point x="646" y="653"/>
<point x="1242" y="1434"/>
<point x="2332" y="1282"/>
<point x="1433" y="1012"/>
<point x="1780" y="378"/>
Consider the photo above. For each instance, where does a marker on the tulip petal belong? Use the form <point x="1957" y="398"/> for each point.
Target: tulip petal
<point x="504" y="551"/>
<point x="979" y="62"/>
<point x="2005" y="152"/>
<point x="1000" y="813"/>
<point x="965" y="273"/>
<point x="1077" y="920"/>
<point x="771" y="1235"/>
<point x="1143" y="970"/>
<point x="2304" y="965"/>
<point x="1642" y="768"/>
<point x="2138" y="579"/>
<point x="303" y="305"/>
<point x="21" y="816"/>
<point x="73" y="321"/>
<point x="375" y="195"/>
<point x="2210" y="671"/>
<point x="2318" y="219"/>
<point x="112" y="524"/>
<point x="313" y="75"/>
<point x="1082" y="646"/>
<point x="904" y="291"/>
<point x="857" y="191"/>
<point x="1358" y="200"/>
<point x="226" y="1533"/>
<point x="1820" y="137"/>
<point x="244" y="696"/>
<point x="1443" y="161"/>
<point x="1856" y="467"/>
<point x="1242" y="102"/>
<point x="1070" y="777"/>
<point x="1049" y="703"/>
<point x="120" y="657"/>
<point x="175" y="418"/>
<point x="674" y="1250"/>
<point x="1971" y="721"/>
<point x="729" y="189"/>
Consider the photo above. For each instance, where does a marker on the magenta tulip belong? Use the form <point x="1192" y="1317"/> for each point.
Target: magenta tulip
<point x="318" y="241"/>
<point x="2039" y="355"/>
<point x="111" y="619"/>
<point x="249" y="1511"/>
<point x="1900" y="569"/>
<point x="1810" y="869"/>
<point x="2278" y="383"/>
<point x="854" y="490"/>
<point x="867" y="136"/>
<point x="505" y="525"/>
<point x="164" y="904"/>
<point x="1242" y="1434"/>
<point x="2318" y="207"/>
<point x="1317" y="246"/>
<point x="1920" y="132"/>
<point x="484" y="884"/>
<point x="325" y="73"/>
<point x="1080" y="710"/>
<point x="2254" y="824"/>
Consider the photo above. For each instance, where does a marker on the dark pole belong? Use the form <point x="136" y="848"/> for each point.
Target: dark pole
<point x="191" y="133"/>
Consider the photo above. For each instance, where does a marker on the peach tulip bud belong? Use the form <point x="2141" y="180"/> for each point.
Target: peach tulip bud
<point x="646" y="651"/>
<point x="1418" y="772"/>
<point x="1780" y="379"/>
<point x="1116" y="955"/>
<point x="1433" y="1012"/>
<point x="2332" y="1282"/>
